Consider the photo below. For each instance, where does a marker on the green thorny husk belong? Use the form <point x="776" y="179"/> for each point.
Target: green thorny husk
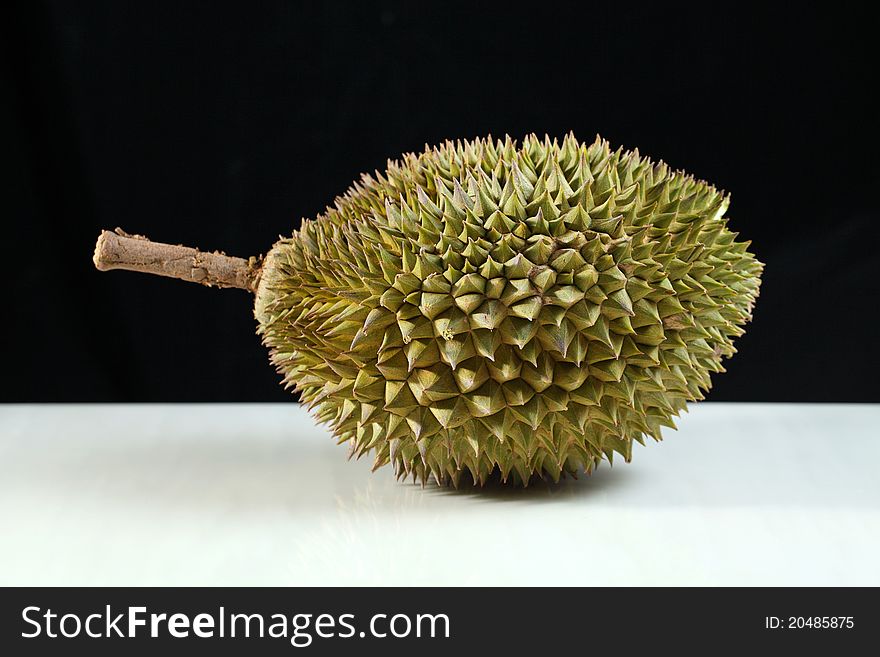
<point x="488" y="306"/>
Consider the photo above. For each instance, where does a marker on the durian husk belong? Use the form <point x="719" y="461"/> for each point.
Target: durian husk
<point x="491" y="307"/>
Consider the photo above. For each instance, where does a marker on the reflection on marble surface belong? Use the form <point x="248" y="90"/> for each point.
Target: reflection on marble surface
<point x="257" y="494"/>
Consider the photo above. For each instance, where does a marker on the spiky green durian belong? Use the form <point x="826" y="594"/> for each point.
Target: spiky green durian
<point x="527" y="308"/>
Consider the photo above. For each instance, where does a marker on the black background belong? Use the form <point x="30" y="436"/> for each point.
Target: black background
<point x="220" y="126"/>
<point x="498" y="620"/>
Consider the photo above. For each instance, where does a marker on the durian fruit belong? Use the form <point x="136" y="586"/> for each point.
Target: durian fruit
<point x="491" y="306"/>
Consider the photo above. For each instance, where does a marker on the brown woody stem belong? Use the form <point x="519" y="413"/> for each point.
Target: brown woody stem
<point x="119" y="250"/>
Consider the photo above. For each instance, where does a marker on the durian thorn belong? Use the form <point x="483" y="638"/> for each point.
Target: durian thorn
<point x="119" y="250"/>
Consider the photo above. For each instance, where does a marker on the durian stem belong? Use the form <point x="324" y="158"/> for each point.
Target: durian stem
<point x="119" y="250"/>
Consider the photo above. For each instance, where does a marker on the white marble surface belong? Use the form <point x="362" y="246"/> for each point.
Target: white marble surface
<point x="257" y="494"/>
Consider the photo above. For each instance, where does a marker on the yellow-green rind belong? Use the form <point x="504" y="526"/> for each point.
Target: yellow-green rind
<point x="493" y="306"/>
